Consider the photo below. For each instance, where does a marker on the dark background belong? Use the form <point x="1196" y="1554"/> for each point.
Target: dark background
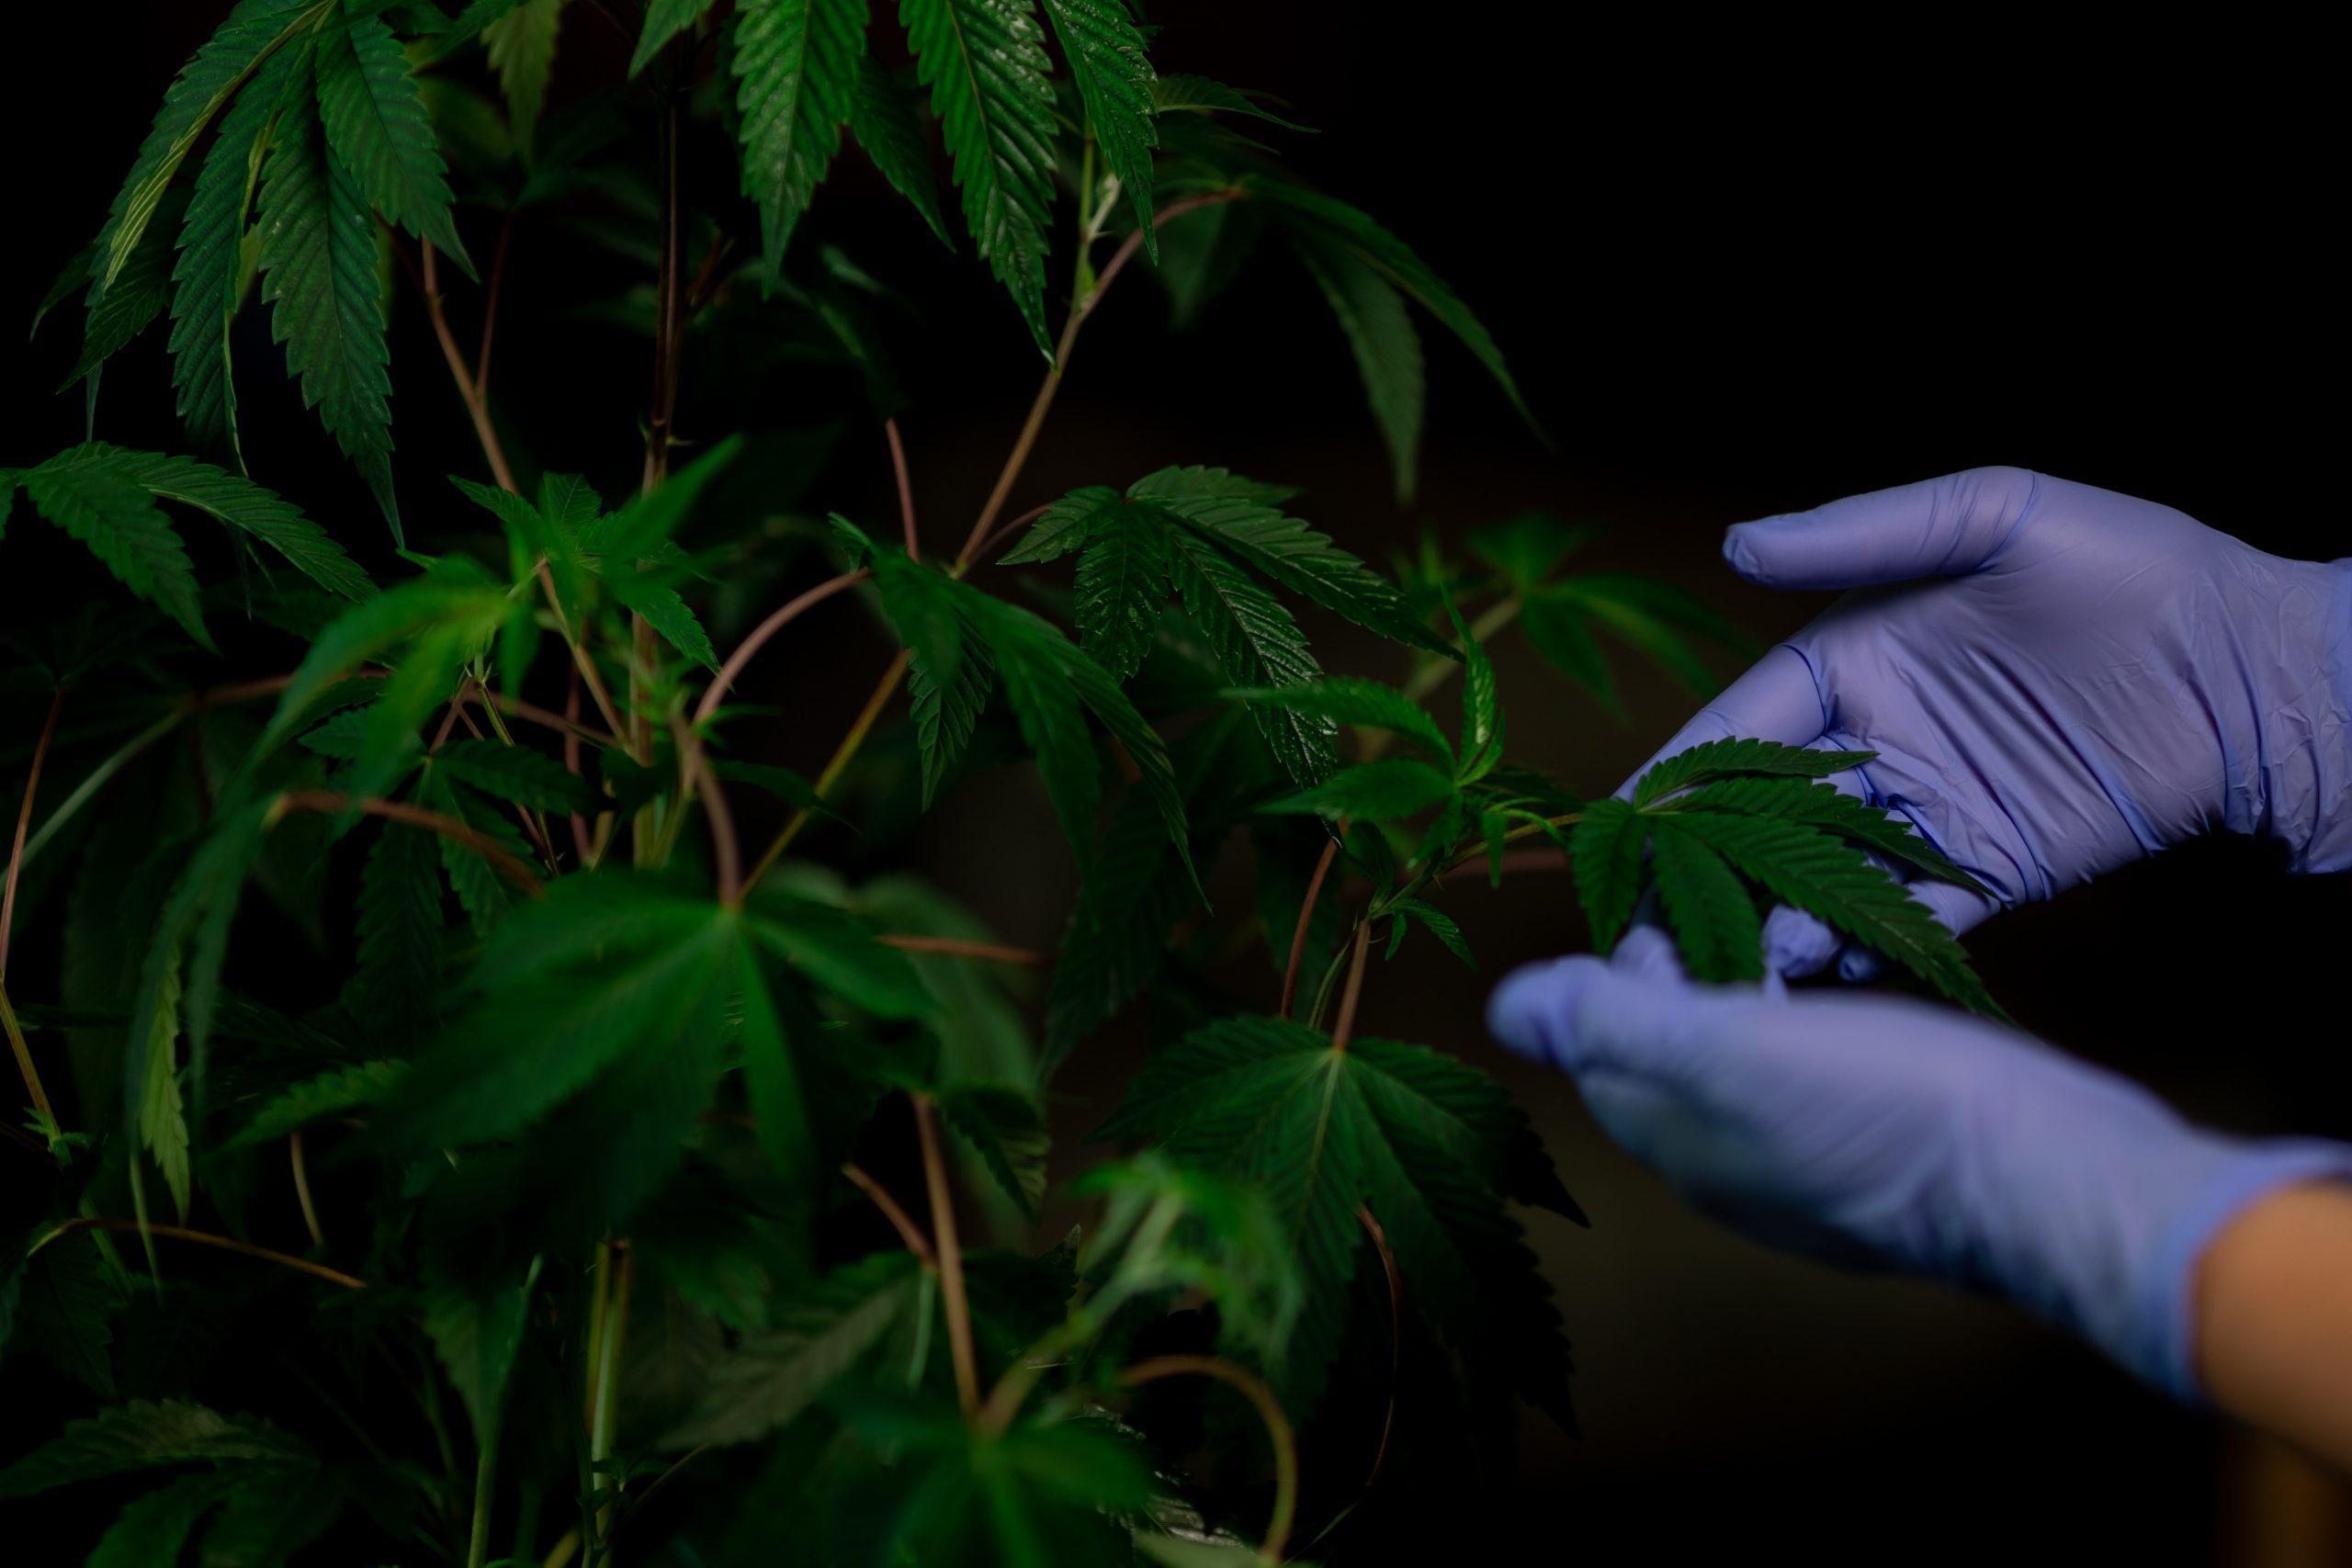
<point x="1738" y="269"/>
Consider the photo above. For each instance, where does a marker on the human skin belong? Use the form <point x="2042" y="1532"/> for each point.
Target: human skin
<point x="2274" y="1318"/>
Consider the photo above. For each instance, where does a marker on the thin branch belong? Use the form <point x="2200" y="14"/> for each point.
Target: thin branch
<point x="1270" y="1410"/>
<point x="534" y="828"/>
<point x="1396" y="1335"/>
<point x="988" y="544"/>
<point x="1044" y="401"/>
<point x="23" y="821"/>
<point x="571" y="759"/>
<point x="303" y="1188"/>
<point x="24" y="1055"/>
<point x="477" y="409"/>
<point x="951" y="1261"/>
<point x="838" y="764"/>
<point x="722" y="821"/>
<point x="567" y="724"/>
<point x="906" y="487"/>
<point x="332" y="802"/>
<point x="490" y="309"/>
<point x="900" y="1221"/>
<point x="1298" y="937"/>
<point x="206" y="1238"/>
<point x="955" y="947"/>
<point x="1347" y="1020"/>
<point x="716" y="692"/>
<point x="266" y="686"/>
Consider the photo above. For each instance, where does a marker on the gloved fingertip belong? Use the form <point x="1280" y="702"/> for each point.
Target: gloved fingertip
<point x="1739" y="550"/>
<point x="1797" y="944"/>
<point x="1532" y="1010"/>
<point x="1859" y="966"/>
<point x="1647" y="953"/>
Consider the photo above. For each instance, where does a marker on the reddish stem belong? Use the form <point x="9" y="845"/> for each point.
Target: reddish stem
<point x="1298" y="936"/>
<point x="906" y="487"/>
<point x="716" y="691"/>
<point x="1346" y="1023"/>
<point x="23" y="820"/>
<point x="330" y="801"/>
<point x="955" y="947"/>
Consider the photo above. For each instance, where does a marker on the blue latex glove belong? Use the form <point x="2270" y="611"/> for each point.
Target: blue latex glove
<point x="1859" y="1127"/>
<point x="2057" y="680"/>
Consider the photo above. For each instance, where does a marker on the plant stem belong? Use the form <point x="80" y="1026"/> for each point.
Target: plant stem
<point x="1347" y="1022"/>
<point x="468" y="389"/>
<point x="204" y="1238"/>
<point x="16" y="845"/>
<point x="485" y="1485"/>
<point x="608" y="1372"/>
<point x="951" y="1261"/>
<point x="490" y="309"/>
<point x="331" y="803"/>
<point x="1270" y="1410"/>
<point x="906" y="487"/>
<point x="1396" y="1335"/>
<point x="842" y="756"/>
<point x="303" y="1188"/>
<point x="1298" y="937"/>
<point x="722" y="821"/>
<point x="956" y="947"/>
<point x="716" y="692"/>
<point x="25" y="1061"/>
<point x="900" y="1221"/>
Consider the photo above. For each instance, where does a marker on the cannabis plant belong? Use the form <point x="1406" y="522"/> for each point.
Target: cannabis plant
<point x="461" y="1139"/>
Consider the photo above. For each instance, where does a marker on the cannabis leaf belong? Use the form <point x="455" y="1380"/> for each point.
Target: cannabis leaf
<point x="521" y="46"/>
<point x="815" y="1338"/>
<point x="1757" y="820"/>
<point x="985" y="63"/>
<point x="1348" y="699"/>
<point x="1106" y="60"/>
<point x="1430" y="1146"/>
<point x="318" y="263"/>
<point x="798" y="64"/>
<point x="882" y="122"/>
<point x="108" y="510"/>
<point x="513" y="772"/>
<point x="239" y="502"/>
<point x="1008" y="1130"/>
<point x="145" y="1435"/>
<point x="377" y="129"/>
<point x="664" y="19"/>
<point x="1379" y="330"/>
<point x="329" y="1094"/>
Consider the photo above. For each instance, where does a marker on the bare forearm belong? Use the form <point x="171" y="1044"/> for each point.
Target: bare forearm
<point x="2274" y="1318"/>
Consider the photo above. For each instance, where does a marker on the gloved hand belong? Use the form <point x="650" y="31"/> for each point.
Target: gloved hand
<point x="1872" y="1128"/>
<point x="2057" y="680"/>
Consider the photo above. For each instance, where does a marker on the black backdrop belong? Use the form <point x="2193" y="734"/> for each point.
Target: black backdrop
<point x="1739" y="267"/>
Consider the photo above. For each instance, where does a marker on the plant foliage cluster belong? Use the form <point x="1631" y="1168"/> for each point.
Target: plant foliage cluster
<point x="572" y="1180"/>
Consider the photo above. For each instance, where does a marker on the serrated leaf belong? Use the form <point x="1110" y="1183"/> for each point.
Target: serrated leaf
<point x="116" y="518"/>
<point x="664" y="19"/>
<point x="1133" y="893"/>
<point x="1529" y="547"/>
<point x="513" y="772"/>
<point x="1288" y="552"/>
<point x="269" y="1518"/>
<point x="1121" y="584"/>
<point x="1380" y="791"/>
<point x="1560" y="633"/>
<point x="409" y="612"/>
<point x="1258" y="646"/>
<point x="155" y="1529"/>
<point x="137" y="294"/>
<point x="1201" y="252"/>
<point x="1388" y="350"/>
<point x="242" y="504"/>
<point x="1113" y="79"/>
<point x="329" y="1094"/>
<point x="1815" y="872"/>
<point x="1346" y="699"/>
<point x="1352" y="228"/>
<point x="318" y="262"/>
<point x="782" y="783"/>
<point x="68" y="1294"/>
<point x="1730" y="758"/>
<point x="1228" y="1242"/>
<point x="1713" y="918"/>
<point x="667" y="614"/>
<point x="143" y="1435"/>
<point x="1607" y="846"/>
<point x="521" y="46"/>
<point x="818" y="1338"/>
<point x="797" y="64"/>
<point x="1177" y="93"/>
<point x="1009" y="1130"/>
<point x="395" y="988"/>
<point x="985" y="63"/>
<point x="477" y="1331"/>
<point x="161" y="1118"/>
<point x="1825" y="806"/>
<point x="1653" y="618"/>
<point x="776" y="1023"/>
<point x="1482" y="710"/>
<point x="378" y="130"/>
<point x="640" y="530"/>
<point x="882" y="121"/>
<point x="838" y="953"/>
<point x="1440" y="925"/>
<point x="1065" y="526"/>
<point x="482" y="891"/>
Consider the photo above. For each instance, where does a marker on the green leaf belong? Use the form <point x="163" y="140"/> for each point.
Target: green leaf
<point x="1653" y="617"/>
<point x="1066" y="526"/>
<point x="1529" y="547"/>
<point x="667" y="614"/>
<point x="1113" y="79"/>
<point x="797" y="63"/>
<point x="1009" y="1130"/>
<point x="1199" y="94"/>
<point x="154" y="1530"/>
<point x="1441" y="926"/>
<point x="1346" y="699"/>
<point x="1122" y="585"/>
<point x="985" y="63"/>
<point x="269" y="1518"/>
<point x="1731" y="757"/>
<point x="1350" y="228"/>
<point x="1607" y="846"/>
<point x="1258" y="646"/>
<point x="521" y="45"/>
<point x="782" y="783"/>
<point x="410" y="611"/>
<point x="1482" y="710"/>
<point x="513" y="772"/>
<point x="118" y="519"/>
<point x="242" y="504"/>
<point x="161" y="1118"/>
<point x="317" y="261"/>
<point x="1825" y="806"/>
<point x="776" y="1022"/>
<point x="143" y="1435"/>
<point x="664" y="19"/>
<point x="478" y="1332"/>
<point x="1225" y="1240"/>
<point x="329" y="1094"/>
<point x="68" y="1295"/>
<point x="1238" y="516"/>
<point x="1133" y="893"/>
<point x="837" y="952"/>
<point x="1201" y="252"/>
<point x="1387" y="351"/>
<point x="395" y="988"/>
<point x="1715" y="920"/>
<point x="640" y="530"/>
<point x="378" y="130"/>
<point x="1562" y="635"/>
<point x="1380" y="791"/>
<point x="1815" y="872"/>
<point x="818" y="1338"/>
<point x="882" y="121"/>
<point x="138" y="294"/>
<point x="482" y="891"/>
